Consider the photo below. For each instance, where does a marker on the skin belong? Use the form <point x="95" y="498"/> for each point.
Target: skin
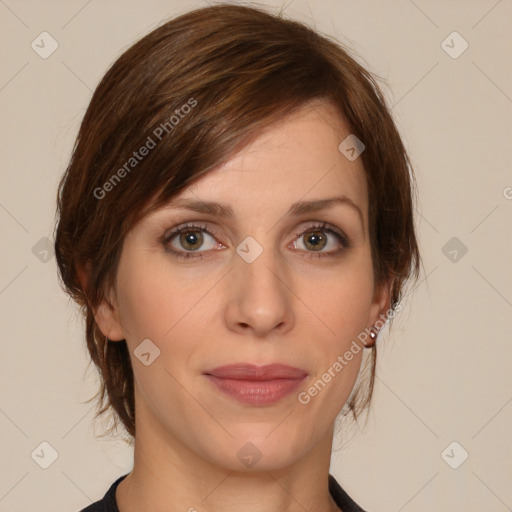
<point x="283" y="307"/>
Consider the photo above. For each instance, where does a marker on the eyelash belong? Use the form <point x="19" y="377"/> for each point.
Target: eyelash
<point x="185" y="255"/>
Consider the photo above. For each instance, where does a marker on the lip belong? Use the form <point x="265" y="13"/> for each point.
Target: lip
<point x="247" y="371"/>
<point x="256" y="385"/>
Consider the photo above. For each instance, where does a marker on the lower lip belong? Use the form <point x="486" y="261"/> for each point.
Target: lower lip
<point x="256" y="392"/>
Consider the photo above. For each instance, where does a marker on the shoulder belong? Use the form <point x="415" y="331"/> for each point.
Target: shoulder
<point x="342" y="499"/>
<point x="108" y="502"/>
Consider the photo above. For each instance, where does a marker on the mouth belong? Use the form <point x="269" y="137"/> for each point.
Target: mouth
<point x="256" y="385"/>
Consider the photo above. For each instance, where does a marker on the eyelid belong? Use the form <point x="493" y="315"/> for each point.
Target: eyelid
<point x="188" y="226"/>
<point x="204" y="225"/>
<point x="326" y="226"/>
<point x="185" y="225"/>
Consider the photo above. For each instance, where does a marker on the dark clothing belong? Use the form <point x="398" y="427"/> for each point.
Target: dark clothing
<point x="108" y="503"/>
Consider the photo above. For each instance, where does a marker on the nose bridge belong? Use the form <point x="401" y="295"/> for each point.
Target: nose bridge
<point x="258" y="260"/>
<point x="261" y="294"/>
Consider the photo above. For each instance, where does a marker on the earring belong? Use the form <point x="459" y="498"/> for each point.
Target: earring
<point x="373" y="336"/>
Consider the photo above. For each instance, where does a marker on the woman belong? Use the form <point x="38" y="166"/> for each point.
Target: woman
<point x="237" y="223"/>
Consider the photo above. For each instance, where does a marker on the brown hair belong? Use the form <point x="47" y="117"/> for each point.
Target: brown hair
<point x="201" y="87"/>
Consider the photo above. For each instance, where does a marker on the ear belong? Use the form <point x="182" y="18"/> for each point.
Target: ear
<point x="106" y="314"/>
<point x="380" y="306"/>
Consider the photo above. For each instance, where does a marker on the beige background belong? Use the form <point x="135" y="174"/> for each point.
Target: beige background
<point x="444" y="373"/>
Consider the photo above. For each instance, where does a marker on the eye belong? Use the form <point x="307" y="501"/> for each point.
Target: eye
<point x="318" y="237"/>
<point x="192" y="241"/>
<point x="186" y="240"/>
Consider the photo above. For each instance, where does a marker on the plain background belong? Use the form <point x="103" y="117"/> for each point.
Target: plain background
<point x="444" y="369"/>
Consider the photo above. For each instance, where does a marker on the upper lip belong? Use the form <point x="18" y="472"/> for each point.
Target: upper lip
<point x="246" y="371"/>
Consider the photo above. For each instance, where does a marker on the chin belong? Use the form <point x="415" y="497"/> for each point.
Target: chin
<point x="258" y="452"/>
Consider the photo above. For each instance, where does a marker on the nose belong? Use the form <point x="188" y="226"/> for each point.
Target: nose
<point x="259" y="297"/>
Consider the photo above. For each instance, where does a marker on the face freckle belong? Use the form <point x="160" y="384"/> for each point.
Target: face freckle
<point x="260" y="299"/>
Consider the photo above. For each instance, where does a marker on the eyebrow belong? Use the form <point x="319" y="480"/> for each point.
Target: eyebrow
<point x="296" y="209"/>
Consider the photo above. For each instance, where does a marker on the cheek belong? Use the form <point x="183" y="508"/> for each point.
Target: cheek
<point x="157" y="304"/>
<point x="340" y="303"/>
<point x="144" y="308"/>
<point x="153" y="297"/>
<point x="340" y="300"/>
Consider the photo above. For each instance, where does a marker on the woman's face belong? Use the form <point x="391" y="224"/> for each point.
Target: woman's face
<point x="278" y="281"/>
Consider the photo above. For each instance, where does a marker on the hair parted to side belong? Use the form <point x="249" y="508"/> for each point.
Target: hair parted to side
<point x="239" y="69"/>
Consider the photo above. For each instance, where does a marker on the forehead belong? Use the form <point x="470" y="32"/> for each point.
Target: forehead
<point x="294" y="159"/>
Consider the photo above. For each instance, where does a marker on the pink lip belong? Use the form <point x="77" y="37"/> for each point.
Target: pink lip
<point x="256" y="385"/>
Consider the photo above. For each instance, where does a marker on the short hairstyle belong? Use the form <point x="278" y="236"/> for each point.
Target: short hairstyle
<point x="194" y="92"/>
